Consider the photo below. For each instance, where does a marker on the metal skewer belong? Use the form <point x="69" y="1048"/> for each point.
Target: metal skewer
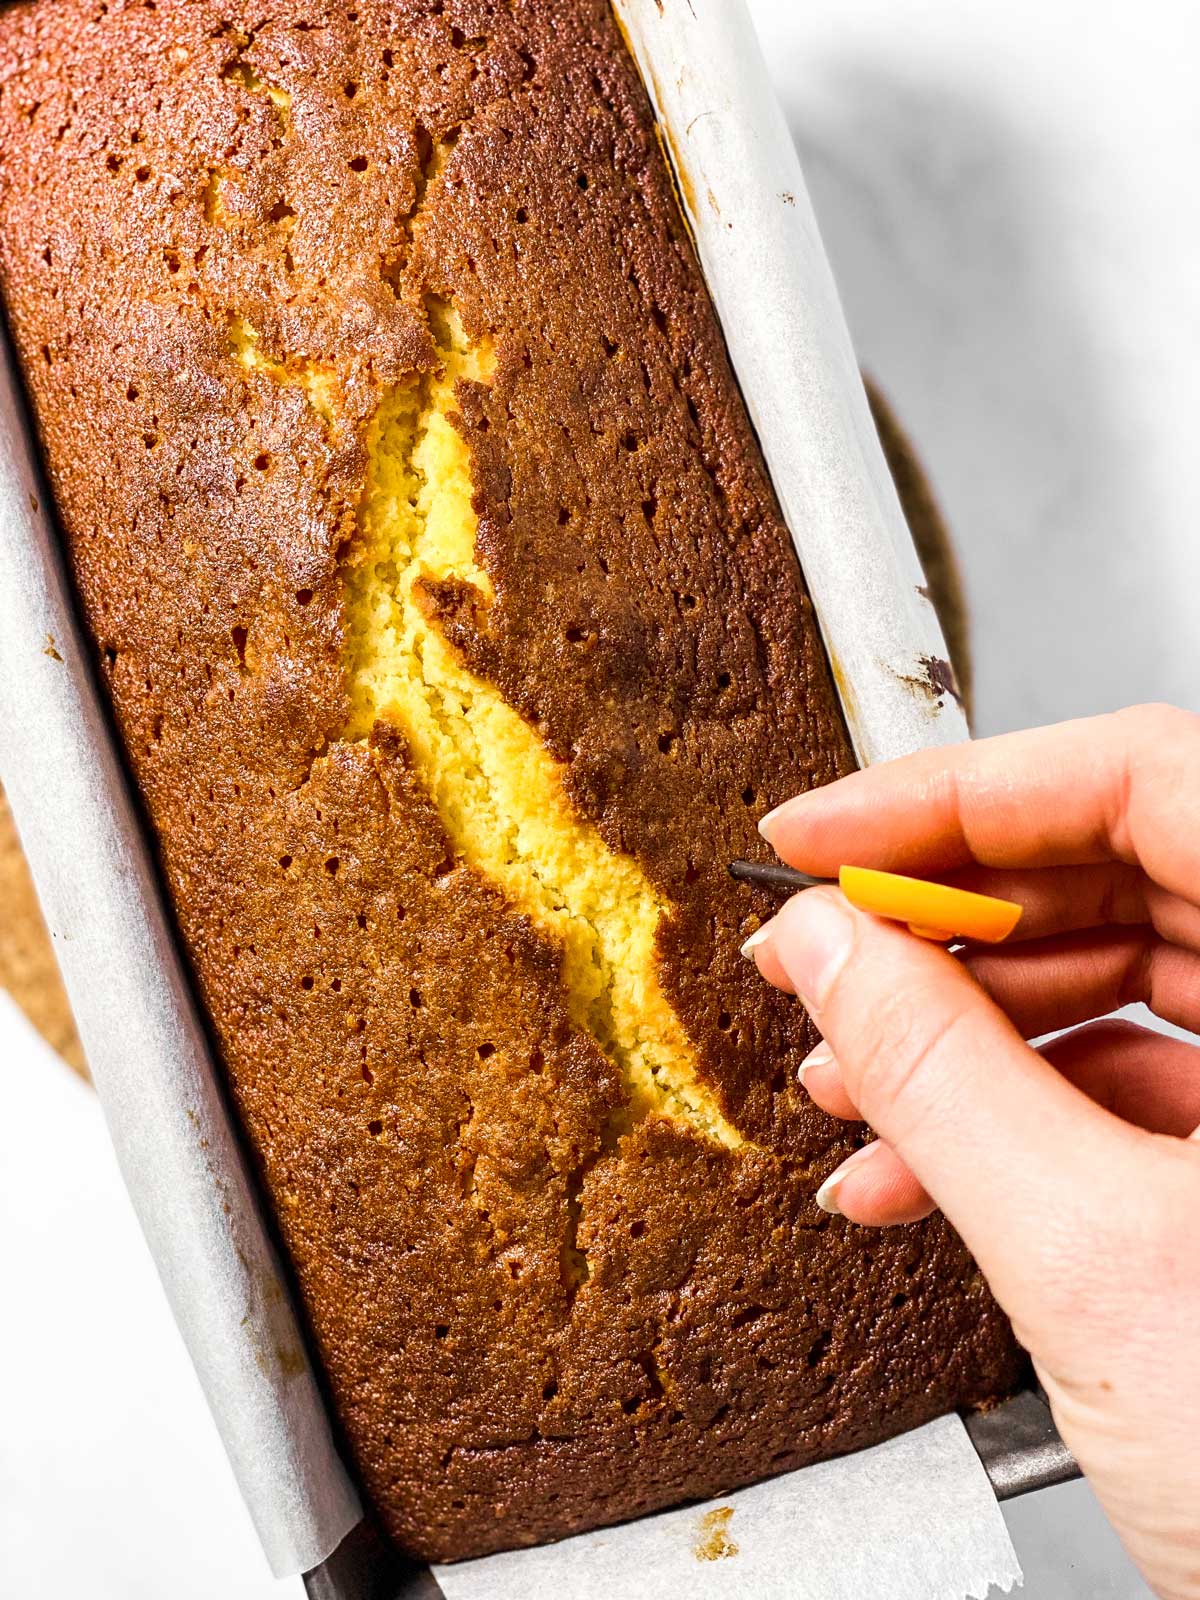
<point x="772" y="876"/>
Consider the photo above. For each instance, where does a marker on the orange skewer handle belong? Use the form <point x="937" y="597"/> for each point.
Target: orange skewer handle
<point x="931" y="910"/>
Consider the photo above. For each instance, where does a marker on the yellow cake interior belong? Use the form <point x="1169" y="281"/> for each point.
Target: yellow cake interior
<point x="498" y="791"/>
<point x="319" y="383"/>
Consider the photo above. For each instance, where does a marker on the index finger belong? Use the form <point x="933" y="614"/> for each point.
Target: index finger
<point x="1123" y="787"/>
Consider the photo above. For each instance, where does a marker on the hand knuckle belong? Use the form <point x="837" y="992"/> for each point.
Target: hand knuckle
<point x="1158" y="719"/>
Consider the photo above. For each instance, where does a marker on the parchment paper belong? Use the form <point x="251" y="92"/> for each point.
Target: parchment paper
<point x="912" y="1518"/>
<point x="144" y="1044"/>
<point x="740" y="184"/>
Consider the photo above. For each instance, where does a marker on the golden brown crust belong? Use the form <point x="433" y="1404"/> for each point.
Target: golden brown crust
<point x="435" y="1136"/>
<point x="28" y="969"/>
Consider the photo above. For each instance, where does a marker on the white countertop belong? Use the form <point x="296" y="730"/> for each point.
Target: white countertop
<point x="1008" y="193"/>
<point x="1009" y="196"/>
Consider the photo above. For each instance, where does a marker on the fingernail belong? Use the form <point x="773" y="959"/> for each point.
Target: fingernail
<point x="765" y="823"/>
<point x="820" y="1057"/>
<point x="820" y="936"/>
<point x="759" y="936"/>
<point x="826" y="1195"/>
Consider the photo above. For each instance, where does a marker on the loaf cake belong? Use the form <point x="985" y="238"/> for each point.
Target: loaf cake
<point x="457" y="645"/>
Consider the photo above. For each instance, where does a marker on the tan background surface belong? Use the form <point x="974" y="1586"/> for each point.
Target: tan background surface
<point x="27" y="965"/>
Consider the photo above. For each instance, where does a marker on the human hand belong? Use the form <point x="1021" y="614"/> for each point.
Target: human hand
<point x="1072" y="1172"/>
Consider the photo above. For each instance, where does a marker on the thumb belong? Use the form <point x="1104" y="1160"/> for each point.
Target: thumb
<point x="1021" y="1162"/>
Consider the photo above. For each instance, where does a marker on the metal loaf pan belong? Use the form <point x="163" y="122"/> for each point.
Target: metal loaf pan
<point x="726" y="142"/>
<point x="1017" y="1443"/>
<point x="128" y="984"/>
